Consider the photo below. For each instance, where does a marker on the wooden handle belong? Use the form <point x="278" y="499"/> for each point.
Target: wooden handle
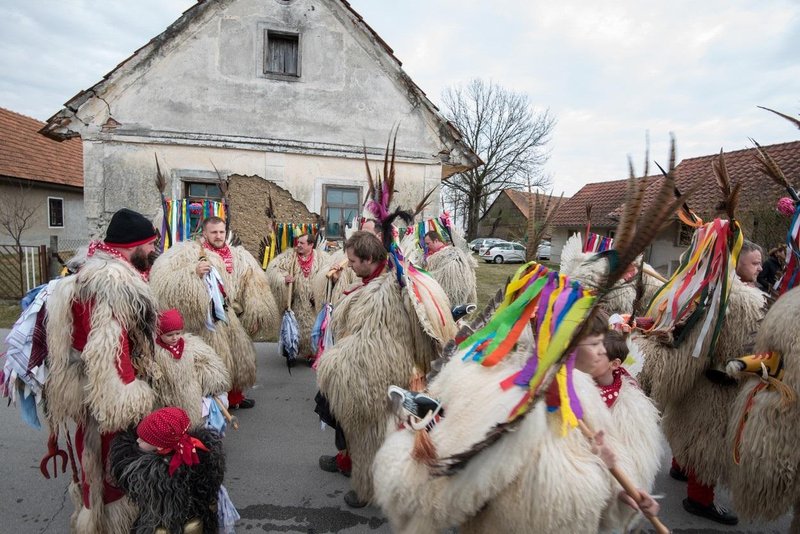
<point x="338" y="267"/>
<point x="626" y="483"/>
<point x="652" y="272"/>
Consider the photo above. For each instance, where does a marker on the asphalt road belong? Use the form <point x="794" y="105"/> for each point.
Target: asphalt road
<point x="272" y="476"/>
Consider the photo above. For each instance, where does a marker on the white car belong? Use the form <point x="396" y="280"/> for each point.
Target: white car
<point x="543" y="252"/>
<point x="480" y="245"/>
<point x="504" y="253"/>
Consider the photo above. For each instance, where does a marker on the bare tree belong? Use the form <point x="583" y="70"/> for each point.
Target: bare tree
<point x="502" y="127"/>
<point x="16" y="213"/>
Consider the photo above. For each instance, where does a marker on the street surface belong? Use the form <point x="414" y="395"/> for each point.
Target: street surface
<point x="272" y="475"/>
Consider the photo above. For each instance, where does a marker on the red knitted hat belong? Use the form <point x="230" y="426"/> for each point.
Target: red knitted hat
<point x="170" y="321"/>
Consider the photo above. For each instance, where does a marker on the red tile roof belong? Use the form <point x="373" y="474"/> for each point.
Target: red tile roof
<point x="743" y="168"/>
<point x="605" y="197"/>
<point x="26" y="154"/>
<point x="608" y="197"/>
<point x="520" y="200"/>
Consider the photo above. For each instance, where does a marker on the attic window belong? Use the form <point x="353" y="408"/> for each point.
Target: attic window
<point x="55" y="212"/>
<point x="282" y="53"/>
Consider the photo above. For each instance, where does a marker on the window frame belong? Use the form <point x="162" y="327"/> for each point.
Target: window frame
<point x="324" y="207"/>
<point x="279" y="33"/>
<point x="187" y="183"/>
<point x="49" y="219"/>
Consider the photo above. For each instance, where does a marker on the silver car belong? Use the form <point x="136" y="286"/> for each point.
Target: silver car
<point x="504" y="253"/>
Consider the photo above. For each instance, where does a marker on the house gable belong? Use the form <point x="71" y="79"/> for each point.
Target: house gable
<point x="202" y="82"/>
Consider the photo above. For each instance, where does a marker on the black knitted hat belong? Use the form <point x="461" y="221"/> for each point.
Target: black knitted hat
<point x="129" y="229"/>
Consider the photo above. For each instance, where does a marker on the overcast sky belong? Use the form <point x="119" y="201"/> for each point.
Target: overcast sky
<point x="608" y="71"/>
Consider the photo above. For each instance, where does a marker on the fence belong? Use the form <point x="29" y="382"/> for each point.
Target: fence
<point x="21" y="269"/>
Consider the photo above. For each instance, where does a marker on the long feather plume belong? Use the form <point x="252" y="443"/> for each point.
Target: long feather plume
<point x="730" y="195"/>
<point x="769" y="167"/>
<point x="648" y="224"/>
<point x="789" y="118"/>
<point x="161" y="182"/>
<point x="424" y="202"/>
<point x="540" y="227"/>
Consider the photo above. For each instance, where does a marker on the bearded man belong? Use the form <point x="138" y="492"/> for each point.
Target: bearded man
<point x="453" y="268"/>
<point x="297" y="267"/>
<point x="100" y="328"/>
<point x="178" y="281"/>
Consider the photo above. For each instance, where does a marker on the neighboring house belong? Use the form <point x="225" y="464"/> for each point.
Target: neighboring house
<point x="290" y="91"/>
<point x="507" y="216"/>
<point x="40" y="177"/>
<point x="755" y="212"/>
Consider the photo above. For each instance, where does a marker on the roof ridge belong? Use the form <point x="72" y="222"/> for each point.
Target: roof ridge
<point x="732" y="152"/>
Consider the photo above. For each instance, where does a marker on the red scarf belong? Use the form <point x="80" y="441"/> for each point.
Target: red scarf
<point x="610" y="393"/>
<point x="94" y="246"/>
<point x="367" y="279"/>
<point x="176" y="350"/>
<point x="306" y="264"/>
<point x="224" y="252"/>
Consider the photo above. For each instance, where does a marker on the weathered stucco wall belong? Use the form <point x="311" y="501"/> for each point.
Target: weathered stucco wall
<point x="38" y="233"/>
<point x="122" y="175"/>
<point x="201" y="96"/>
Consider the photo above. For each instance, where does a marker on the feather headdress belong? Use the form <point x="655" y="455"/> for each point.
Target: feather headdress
<point x="559" y="310"/>
<point x="697" y="293"/>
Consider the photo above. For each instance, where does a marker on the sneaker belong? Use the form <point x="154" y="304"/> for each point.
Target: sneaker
<point x="244" y="405"/>
<point x="714" y="512"/>
<point x="678" y="475"/>
<point x="352" y="500"/>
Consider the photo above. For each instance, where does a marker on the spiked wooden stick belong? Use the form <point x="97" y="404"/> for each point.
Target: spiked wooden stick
<point x="626" y="483"/>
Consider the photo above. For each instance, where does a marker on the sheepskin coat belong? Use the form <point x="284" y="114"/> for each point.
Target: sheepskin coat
<point x="304" y="302"/>
<point x="251" y="307"/>
<point x="169" y="501"/>
<point x="636" y="427"/>
<point x="347" y="277"/>
<point x="100" y="327"/>
<point x="377" y="343"/>
<point x="696" y="410"/>
<point x="454" y="269"/>
<point x="766" y="483"/>
<point x="184" y="381"/>
<point x="591" y="269"/>
<point x="532" y="479"/>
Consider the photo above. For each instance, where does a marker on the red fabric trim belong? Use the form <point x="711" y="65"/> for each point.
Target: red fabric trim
<point x="132" y="245"/>
<point x="235" y="396"/>
<point x="223" y="252"/>
<point x="111" y="492"/>
<point x="175" y="350"/>
<point x="699" y="493"/>
<point x="367" y="279"/>
<point x="81" y="328"/>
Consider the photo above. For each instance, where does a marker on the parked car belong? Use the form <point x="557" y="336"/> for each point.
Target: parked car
<point x="543" y="252"/>
<point x="482" y="242"/>
<point x="504" y="253"/>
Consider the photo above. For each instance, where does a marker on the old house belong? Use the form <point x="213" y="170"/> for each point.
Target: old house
<point x="507" y="217"/>
<point x="289" y="91"/>
<point x="41" y="181"/>
<point x="756" y="211"/>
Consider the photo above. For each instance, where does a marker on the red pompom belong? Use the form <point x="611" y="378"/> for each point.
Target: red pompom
<point x="786" y="206"/>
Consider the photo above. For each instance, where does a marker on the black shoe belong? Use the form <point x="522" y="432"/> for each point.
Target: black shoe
<point x="678" y="475"/>
<point x="244" y="405"/>
<point x="328" y="463"/>
<point x="714" y="512"/>
<point x="352" y="500"/>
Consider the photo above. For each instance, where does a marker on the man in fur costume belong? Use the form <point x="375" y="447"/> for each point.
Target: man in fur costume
<point x="295" y="269"/>
<point x="453" y="268"/>
<point x="100" y="328"/>
<point x="680" y="377"/>
<point x="185" y="369"/>
<point x="378" y="342"/>
<point x="178" y="281"/>
<point x="172" y="474"/>
<point x="763" y="429"/>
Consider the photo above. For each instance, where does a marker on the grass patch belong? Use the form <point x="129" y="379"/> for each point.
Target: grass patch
<point x="9" y="313"/>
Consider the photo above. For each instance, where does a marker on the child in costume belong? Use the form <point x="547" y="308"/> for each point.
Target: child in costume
<point x="634" y="418"/>
<point x="185" y="369"/>
<point x="173" y="475"/>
